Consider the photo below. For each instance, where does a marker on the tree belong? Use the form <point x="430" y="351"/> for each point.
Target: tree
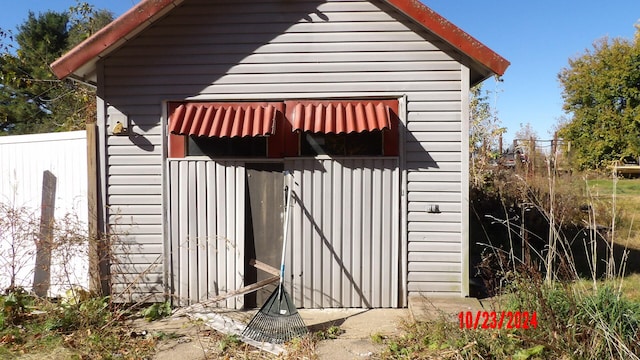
<point x="601" y="90"/>
<point x="32" y="99"/>
<point x="484" y="134"/>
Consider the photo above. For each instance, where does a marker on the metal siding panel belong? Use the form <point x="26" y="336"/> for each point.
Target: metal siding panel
<point x="442" y="217"/>
<point x="201" y="240"/>
<point x="435" y="288"/>
<point x="307" y="197"/>
<point x="453" y="258"/>
<point x="434" y="236"/>
<point x="387" y="236"/>
<point x="240" y="229"/>
<point x="434" y="226"/>
<point x="297" y="245"/>
<point x="395" y="231"/>
<point x="212" y="230"/>
<point x="327" y="186"/>
<point x="316" y="219"/>
<point x="191" y="242"/>
<point x="183" y="225"/>
<point x="221" y="222"/>
<point x="134" y="219"/>
<point x="327" y="239"/>
<point x="347" y="244"/>
<point x="431" y="197"/>
<point x="377" y="261"/>
<point x="440" y="277"/>
<point x="230" y="206"/>
<point x="336" y="210"/>
<point x="136" y="180"/>
<point x="435" y="247"/>
<point x="207" y="207"/>
<point x="356" y="233"/>
<point x="417" y="206"/>
<point x="367" y="251"/>
<point x="306" y="77"/>
<point x="174" y="230"/>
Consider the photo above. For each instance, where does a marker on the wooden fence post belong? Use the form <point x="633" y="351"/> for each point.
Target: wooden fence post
<point x="98" y="251"/>
<point x="44" y="243"/>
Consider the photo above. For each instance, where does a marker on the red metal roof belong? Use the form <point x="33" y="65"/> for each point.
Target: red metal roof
<point x="147" y="11"/>
<point x="341" y="117"/>
<point x="223" y="120"/>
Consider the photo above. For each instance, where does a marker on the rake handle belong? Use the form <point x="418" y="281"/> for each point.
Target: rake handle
<point x="285" y="228"/>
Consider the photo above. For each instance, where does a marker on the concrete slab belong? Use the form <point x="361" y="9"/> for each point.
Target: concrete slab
<point x="424" y="308"/>
<point x="358" y="326"/>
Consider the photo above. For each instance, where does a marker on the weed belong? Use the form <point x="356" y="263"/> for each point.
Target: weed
<point x="157" y="311"/>
<point x="229" y="341"/>
<point x="301" y="348"/>
<point x="14" y="305"/>
<point x="377" y="338"/>
<point x="330" y="333"/>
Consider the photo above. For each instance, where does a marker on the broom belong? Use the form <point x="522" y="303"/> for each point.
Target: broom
<point x="278" y="320"/>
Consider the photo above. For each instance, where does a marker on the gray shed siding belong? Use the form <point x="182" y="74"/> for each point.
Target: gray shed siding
<point x="271" y="50"/>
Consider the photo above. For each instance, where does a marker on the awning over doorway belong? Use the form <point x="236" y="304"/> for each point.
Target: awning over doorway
<point x="223" y="119"/>
<point x="339" y="117"/>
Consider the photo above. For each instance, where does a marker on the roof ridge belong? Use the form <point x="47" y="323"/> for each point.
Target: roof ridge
<point x="147" y="11"/>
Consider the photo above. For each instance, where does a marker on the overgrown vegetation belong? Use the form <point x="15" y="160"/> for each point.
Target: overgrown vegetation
<point x="71" y="324"/>
<point x="554" y="245"/>
<point x="84" y="328"/>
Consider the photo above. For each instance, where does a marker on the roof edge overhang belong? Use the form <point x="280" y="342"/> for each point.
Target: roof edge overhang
<point x="456" y="37"/>
<point x="80" y="61"/>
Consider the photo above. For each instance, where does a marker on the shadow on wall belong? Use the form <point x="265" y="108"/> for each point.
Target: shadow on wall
<point x="335" y="258"/>
<point x="187" y="53"/>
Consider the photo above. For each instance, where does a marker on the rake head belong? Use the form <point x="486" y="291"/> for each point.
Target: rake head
<point x="277" y="321"/>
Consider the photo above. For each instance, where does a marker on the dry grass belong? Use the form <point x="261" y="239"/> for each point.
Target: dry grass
<point x="627" y="202"/>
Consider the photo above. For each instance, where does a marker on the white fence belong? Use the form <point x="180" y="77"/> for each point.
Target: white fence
<point x="23" y="159"/>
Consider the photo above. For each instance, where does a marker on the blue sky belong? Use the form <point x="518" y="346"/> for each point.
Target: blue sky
<point x="537" y="37"/>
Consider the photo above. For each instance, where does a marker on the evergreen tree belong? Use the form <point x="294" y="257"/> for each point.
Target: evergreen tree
<point x="32" y="99"/>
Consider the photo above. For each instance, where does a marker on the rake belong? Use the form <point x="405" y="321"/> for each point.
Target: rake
<point x="278" y="320"/>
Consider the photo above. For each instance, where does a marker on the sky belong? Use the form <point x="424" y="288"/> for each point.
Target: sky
<point x="537" y="37"/>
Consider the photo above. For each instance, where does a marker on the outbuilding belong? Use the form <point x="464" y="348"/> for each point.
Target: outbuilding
<point x="203" y="104"/>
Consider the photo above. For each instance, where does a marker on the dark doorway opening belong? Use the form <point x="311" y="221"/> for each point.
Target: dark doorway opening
<point x="264" y="214"/>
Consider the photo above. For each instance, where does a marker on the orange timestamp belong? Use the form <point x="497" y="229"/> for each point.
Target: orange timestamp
<point x="498" y="320"/>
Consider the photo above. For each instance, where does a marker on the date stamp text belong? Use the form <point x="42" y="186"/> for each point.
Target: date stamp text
<point x="498" y="320"/>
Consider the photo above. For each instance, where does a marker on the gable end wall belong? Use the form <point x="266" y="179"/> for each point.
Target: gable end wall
<point x="273" y="50"/>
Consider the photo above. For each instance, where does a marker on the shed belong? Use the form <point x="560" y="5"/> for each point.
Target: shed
<point x="202" y="104"/>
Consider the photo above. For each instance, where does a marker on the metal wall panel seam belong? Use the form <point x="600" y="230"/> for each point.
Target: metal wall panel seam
<point x="212" y="239"/>
<point x="201" y="239"/>
<point x="464" y="179"/>
<point x="403" y="205"/>
<point x="327" y="239"/>
<point x="240" y="229"/>
<point x="183" y="216"/>
<point x="191" y="241"/>
<point x="221" y="223"/>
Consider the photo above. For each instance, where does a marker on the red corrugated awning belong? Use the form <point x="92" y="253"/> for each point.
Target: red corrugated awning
<point x="340" y="117"/>
<point x="223" y="120"/>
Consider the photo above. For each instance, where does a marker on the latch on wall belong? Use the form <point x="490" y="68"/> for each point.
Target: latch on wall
<point x="433" y="209"/>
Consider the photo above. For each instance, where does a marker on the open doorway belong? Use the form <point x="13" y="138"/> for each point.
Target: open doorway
<point x="263" y="225"/>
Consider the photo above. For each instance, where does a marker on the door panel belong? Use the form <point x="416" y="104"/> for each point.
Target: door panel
<point x="264" y="221"/>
